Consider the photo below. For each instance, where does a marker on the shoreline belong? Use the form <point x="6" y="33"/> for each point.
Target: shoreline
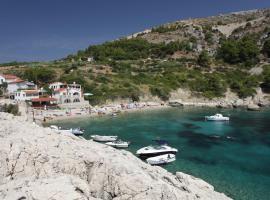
<point x="67" y="117"/>
<point x="59" y="115"/>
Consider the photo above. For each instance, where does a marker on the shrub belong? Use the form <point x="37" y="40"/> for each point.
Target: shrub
<point x="11" y="108"/>
<point x="266" y="48"/>
<point x="203" y="59"/>
<point x="162" y="93"/>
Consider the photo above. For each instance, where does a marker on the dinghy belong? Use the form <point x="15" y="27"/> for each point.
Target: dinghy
<point x="118" y="144"/>
<point x="161" y="160"/>
<point x="103" y="138"/>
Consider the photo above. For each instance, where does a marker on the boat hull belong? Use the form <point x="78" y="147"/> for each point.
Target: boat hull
<point x="104" y="138"/>
<point x="161" y="160"/>
<point x="148" y="155"/>
<point x="211" y="119"/>
<point x="117" y="145"/>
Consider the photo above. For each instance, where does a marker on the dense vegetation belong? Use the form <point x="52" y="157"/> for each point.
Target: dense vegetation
<point x="235" y="51"/>
<point x="132" y="49"/>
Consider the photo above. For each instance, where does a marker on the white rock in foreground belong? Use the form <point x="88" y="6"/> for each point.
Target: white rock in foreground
<point x="36" y="163"/>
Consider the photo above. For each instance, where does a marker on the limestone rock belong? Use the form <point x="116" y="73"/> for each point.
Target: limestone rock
<point x="37" y="163"/>
<point x="253" y="107"/>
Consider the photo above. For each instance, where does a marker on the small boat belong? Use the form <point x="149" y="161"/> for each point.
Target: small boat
<point x="156" y="150"/>
<point x="217" y="117"/>
<point x="114" y="114"/>
<point x="59" y="130"/>
<point x="118" y="144"/>
<point x="74" y="131"/>
<point x="103" y="138"/>
<point x="161" y="160"/>
<point x="77" y="131"/>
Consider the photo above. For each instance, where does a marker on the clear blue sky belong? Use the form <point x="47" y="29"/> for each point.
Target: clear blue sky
<point x="50" y="29"/>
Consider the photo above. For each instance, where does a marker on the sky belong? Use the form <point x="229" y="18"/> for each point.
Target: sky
<point x="43" y="30"/>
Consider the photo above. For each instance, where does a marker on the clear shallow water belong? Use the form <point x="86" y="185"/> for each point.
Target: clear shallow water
<point x="233" y="156"/>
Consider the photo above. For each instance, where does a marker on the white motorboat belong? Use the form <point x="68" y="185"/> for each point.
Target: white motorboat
<point x="217" y="117"/>
<point x="103" y="138"/>
<point x="59" y="130"/>
<point x="156" y="150"/>
<point x="74" y="131"/>
<point x="118" y="144"/>
<point x="77" y="131"/>
<point x="160" y="160"/>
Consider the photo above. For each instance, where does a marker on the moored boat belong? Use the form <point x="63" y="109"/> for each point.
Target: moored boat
<point x="77" y="131"/>
<point x="103" y="138"/>
<point x="118" y="144"/>
<point x="161" y="160"/>
<point x="217" y="117"/>
<point x="150" y="151"/>
<point x="74" y="131"/>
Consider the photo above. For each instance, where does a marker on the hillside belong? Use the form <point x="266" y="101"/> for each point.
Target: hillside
<point x="207" y="57"/>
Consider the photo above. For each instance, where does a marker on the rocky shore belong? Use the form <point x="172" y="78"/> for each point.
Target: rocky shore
<point x="183" y="97"/>
<point x="37" y="163"/>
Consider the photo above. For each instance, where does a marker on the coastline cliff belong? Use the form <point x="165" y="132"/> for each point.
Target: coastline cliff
<point x="37" y="163"/>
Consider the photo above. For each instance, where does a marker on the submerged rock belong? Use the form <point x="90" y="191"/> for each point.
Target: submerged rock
<point x="37" y="163"/>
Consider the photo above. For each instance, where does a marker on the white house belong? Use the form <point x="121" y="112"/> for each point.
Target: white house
<point x="10" y="78"/>
<point x="90" y="59"/>
<point x="26" y="95"/>
<point x="57" y="85"/>
<point x="68" y="94"/>
<point x="19" y="84"/>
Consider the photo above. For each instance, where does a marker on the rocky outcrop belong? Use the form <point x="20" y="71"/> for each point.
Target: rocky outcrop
<point x="37" y="163"/>
<point x="185" y="97"/>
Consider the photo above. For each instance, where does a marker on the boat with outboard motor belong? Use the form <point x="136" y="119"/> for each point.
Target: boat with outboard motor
<point x="118" y="144"/>
<point x="103" y="138"/>
<point x="161" y="160"/>
<point x="217" y="117"/>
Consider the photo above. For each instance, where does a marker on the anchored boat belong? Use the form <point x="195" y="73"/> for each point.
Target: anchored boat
<point x="161" y="160"/>
<point x="118" y="144"/>
<point x="103" y="138"/>
<point x="74" y="131"/>
<point x="217" y="117"/>
<point x="77" y="131"/>
<point x="151" y="151"/>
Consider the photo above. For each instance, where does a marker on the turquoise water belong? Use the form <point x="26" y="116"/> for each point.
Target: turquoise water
<point x="233" y="156"/>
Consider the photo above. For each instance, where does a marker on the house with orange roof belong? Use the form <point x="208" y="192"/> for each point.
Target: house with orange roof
<point x="10" y="78"/>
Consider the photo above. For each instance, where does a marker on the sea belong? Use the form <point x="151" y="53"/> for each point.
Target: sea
<point x="232" y="156"/>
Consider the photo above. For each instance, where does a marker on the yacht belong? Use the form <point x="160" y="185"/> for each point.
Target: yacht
<point x="118" y="144"/>
<point x="161" y="160"/>
<point x="103" y="138"/>
<point x="156" y="150"/>
<point x="217" y="117"/>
